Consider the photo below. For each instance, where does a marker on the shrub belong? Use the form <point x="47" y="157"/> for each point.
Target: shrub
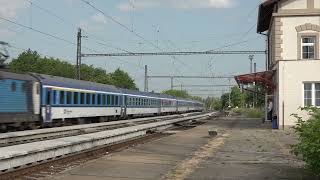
<point x="254" y="113"/>
<point x="249" y="113"/>
<point x="308" y="146"/>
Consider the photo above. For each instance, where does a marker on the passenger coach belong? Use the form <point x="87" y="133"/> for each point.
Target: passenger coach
<point x="29" y="100"/>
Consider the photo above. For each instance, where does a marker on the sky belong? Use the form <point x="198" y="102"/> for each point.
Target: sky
<point x="112" y="26"/>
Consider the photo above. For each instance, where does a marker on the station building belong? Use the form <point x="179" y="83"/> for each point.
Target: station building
<point x="292" y="28"/>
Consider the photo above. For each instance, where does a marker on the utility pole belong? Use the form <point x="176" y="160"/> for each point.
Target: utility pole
<point x="172" y="83"/>
<point x="78" y="65"/>
<point x="230" y="94"/>
<point x="255" y="67"/>
<point x="267" y="53"/>
<point x="251" y="59"/>
<point x="146" y="78"/>
<point x="251" y="70"/>
<point x="255" y="88"/>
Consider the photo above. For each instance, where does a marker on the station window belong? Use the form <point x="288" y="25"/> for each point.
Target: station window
<point x="99" y="99"/>
<point x="69" y="97"/>
<point x="61" y="97"/>
<point x="76" y="98"/>
<point x="82" y="97"/>
<point x="88" y="97"/>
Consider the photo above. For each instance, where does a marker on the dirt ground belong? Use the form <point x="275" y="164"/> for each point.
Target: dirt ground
<point x="252" y="151"/>
<point x="245" y="149"/>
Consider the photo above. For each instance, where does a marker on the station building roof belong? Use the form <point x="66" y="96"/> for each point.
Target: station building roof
<point x="262" y="78"/>
<point x="265" y="15"/>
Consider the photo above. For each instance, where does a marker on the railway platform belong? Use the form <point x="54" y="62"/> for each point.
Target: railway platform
<point x="243" y="149"/>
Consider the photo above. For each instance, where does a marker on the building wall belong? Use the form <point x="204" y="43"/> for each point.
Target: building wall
<point x="290" y="92"/>
<point x="291" y="46"/>
<point x="317" y="4"/>
<point x="290" y="20"/>
<point x="293" y="4"/>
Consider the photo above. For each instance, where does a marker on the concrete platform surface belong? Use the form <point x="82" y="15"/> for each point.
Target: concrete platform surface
<point x="243" y="149"/>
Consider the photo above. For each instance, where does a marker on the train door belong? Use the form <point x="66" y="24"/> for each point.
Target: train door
<point x="159" y="105"/>
<point x="36" y="98"/>
<point x="48" y="108"/>
<point x="124" y="106"/>
<point x="176" y="105"/>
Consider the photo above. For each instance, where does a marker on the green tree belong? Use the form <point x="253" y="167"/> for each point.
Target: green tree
<point x="31" y="61"/>
<point x="308" y="146"/>
<point x="237" y="97"/>
<point x="225" y="100"/>
<point x="255" y="94"/>
<point x="122" y="79"/>
<point x="177" y="93"/>
<point x="26" y="62"/>
<point x="212" y="103"/>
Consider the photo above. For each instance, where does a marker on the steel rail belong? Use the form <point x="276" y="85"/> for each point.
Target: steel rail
<point x="13" y="157"/>
<point x="14" y="138"/>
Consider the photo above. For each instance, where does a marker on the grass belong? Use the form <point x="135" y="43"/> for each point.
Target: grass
<point x="249" y="113"/>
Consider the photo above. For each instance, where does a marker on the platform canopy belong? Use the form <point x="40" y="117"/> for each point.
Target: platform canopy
<point x="261" y="78"/>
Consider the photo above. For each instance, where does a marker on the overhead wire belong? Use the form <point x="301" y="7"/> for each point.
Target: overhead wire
<point x="103" y="43"/>
<point x="121" y="24"/>
<point x="74" y="26"/>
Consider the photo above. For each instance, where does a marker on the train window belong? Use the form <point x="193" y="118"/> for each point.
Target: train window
<point x="82" y="97"/>
<point x="24" y="87"/>
<point x="88" y="97"/>
<point x="112" y="100"/>
<point x="99" y="99"/>
<point x="93" y="99"/>
<point x="38" y="89"/>
<point x="69" y="97"/>
<point x="13" y="86"/>
<point x="48" y="101"/>
<point x="117" y="100"/>
<point x="108" y="100"/>
<point x="75" y="98"/>
<point x="61" y="97"/>
<point x="104" y="101"/>
<point x="55" y="97"/>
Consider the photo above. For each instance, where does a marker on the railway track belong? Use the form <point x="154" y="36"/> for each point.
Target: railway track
<point x="17" y="158"/>
<point x="22" y="137"/>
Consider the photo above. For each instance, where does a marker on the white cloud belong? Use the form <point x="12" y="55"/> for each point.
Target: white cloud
<point x="99" y="18"/>
<point x="11" y="8"/>
<point x="177" y="4"/>
<point x="5" y="33"/>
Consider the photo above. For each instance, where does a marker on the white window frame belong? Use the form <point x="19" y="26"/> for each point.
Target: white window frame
<point x="310" y="45"/>
<point x="313" y="93"/>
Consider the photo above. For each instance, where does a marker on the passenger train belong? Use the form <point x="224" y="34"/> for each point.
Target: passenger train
<point x="31" y="100"/>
